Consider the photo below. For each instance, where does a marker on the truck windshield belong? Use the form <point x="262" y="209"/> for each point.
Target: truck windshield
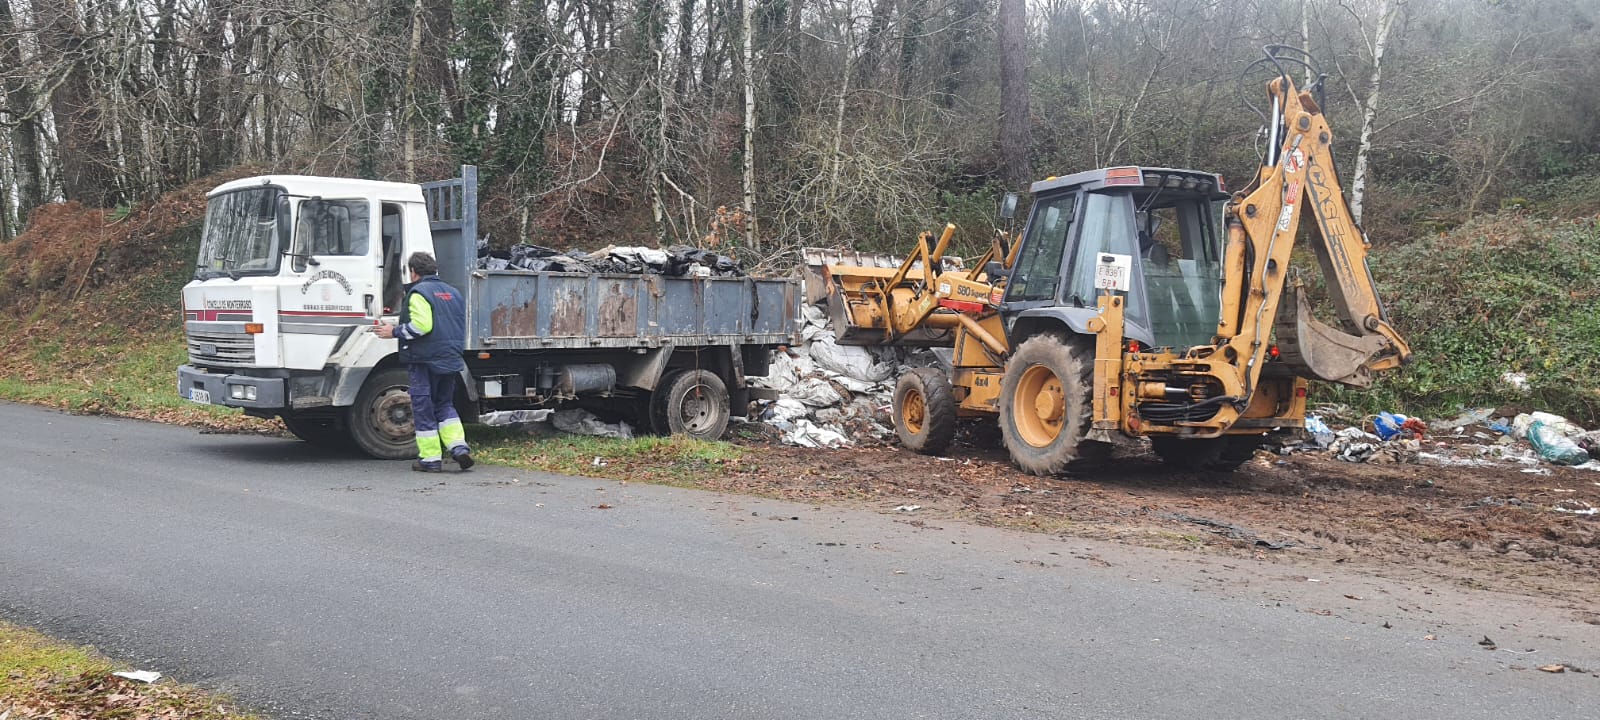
<point x="240" y="235"/>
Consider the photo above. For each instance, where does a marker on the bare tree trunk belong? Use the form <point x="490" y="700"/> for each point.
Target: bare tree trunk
<point x="750" y="239"/>
<point x="408" y="95"/>
<point x="1305" y="37"/>
<point x="1388" y="10"/>
<point x="84" y="155"/>
<point x="22" y="108"/>
<point x="685" y="65"/>
<point x="1014" y="143"/>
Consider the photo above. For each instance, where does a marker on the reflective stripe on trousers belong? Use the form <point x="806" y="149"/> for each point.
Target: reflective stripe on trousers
<point x="434" y="413"/>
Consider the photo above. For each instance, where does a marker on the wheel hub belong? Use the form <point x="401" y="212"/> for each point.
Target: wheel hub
<point x="913" y="412"/>
<point x="1039" y="406"/>
<point x="392" y="414"/>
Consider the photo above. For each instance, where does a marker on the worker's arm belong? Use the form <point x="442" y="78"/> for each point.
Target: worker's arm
<point x="421" y="323"/>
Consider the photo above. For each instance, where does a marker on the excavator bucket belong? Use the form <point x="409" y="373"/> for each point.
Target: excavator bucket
<point x="1316" y="350"/>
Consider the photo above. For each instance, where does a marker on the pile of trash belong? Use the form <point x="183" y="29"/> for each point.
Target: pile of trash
<point x="575" y="421"/>
<point x="1477" y="438"/>
<point x="833" y="395"/>
<point x="677" y="261"/>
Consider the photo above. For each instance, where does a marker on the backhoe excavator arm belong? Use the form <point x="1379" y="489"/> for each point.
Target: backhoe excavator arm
<point x="1262" y="222"/>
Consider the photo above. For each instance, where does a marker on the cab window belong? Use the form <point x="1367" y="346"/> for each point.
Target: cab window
<point x="332" y="227"/>
<point x="1037" y="275"/>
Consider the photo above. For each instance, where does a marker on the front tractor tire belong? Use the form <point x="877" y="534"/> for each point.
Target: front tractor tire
<point x="925" y="411"/>
<point x="1045" y="403"/>
<point x="380" y="422"/>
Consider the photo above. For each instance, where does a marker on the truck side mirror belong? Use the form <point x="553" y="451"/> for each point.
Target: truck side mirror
<point x="1008" y="206"/>
<point x="281" y="220"/>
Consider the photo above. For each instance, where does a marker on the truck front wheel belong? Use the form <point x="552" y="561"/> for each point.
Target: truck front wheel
<point x="1045" y="403"/>
<point x="380" y="421"/>
<point x="692" y="403"/>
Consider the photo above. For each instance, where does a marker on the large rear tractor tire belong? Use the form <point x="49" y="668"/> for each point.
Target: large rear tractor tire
<point x="1045" y="403"/>
<point x="1222" y="454"/>
<point x="380" y="421"/>
<point x="925" y="411"/>
<point x="323" y="431"/>
<point x="693" y="403"/>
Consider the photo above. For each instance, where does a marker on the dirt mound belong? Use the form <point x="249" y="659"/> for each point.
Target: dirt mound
<point x="69" y="253"/>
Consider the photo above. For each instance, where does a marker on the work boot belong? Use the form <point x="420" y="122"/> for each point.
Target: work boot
<point x="464" y="459"/>
<point x="429" y="466"/>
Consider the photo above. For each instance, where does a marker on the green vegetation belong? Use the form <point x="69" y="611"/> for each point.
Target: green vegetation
<point x="665" y="460"/>
<point x="1504" y="294"/>
<point x="40" y="678"/>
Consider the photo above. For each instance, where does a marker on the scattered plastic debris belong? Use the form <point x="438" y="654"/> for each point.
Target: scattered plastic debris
<point x="144" y="676"/>
<point x="908" y="508"/>
<point x="832" y="395"/>
<point x="582" y="422"/>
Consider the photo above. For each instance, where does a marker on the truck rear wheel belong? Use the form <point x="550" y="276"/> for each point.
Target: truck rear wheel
<point x="380" y="421"/>
<point x="1222" y="454"/>
<point x="1045" y="402"/>
<point x="324" y="431"/>
<point x="924" y="411"/>
<point x="692" y="403"/>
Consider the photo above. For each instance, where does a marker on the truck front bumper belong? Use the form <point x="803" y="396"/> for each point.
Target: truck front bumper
<point x="241" y="391"/>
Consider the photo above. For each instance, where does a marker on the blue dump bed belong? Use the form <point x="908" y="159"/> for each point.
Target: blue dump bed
<point x="514" y="309"/>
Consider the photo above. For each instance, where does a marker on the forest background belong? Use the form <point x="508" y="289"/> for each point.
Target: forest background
<point x="1465" y="129"/>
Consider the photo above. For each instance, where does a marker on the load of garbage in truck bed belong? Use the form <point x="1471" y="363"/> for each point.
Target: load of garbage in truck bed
<point x="676" y="261"/>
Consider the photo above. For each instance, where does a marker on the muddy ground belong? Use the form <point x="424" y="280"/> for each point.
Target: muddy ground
<point x="1476" y="527"/>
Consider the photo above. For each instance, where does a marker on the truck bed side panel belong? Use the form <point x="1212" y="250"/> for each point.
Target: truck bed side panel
<point x="529" y="310"/>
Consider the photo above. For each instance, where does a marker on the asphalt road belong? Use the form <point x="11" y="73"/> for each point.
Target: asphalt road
<point x="311" y="585"/>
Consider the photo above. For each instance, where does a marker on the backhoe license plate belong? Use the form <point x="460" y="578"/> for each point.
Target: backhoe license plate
<point x="200" y="396"/>
<point x="1113" y="271"/>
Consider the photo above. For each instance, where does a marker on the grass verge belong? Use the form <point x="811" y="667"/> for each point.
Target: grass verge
<point x="43" y="678"/>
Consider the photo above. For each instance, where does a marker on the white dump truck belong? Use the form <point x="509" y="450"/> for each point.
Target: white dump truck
<point x="294" y="273"/>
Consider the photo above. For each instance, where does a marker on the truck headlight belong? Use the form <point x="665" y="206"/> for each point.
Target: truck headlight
<point x="242" y="392"/>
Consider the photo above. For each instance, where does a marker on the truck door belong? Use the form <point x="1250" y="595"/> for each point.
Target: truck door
<point x="334" y="256"/>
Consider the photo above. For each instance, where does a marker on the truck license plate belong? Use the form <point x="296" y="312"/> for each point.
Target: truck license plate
<point x="200" y="396"/>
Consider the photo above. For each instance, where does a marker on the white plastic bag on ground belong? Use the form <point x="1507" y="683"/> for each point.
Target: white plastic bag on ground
<point x="848" y="360"/>
<point x="805" y="434"/>
<point x="788" y="410"/>
<point x="815" y="392"/>
<point x="1521" y="423"/>
<point x="582" y="422"/>
<point x="514" y="417"/>
<point x="781" y="374"/>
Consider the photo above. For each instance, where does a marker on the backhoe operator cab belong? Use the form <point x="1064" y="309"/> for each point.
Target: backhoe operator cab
<point x="1155" y="233"/>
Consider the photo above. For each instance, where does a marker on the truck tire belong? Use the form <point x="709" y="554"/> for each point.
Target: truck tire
<point x="1045" y="402"/>
<point x="693" y="403"/>
<point x="323" y="431"/>
<point x="1222" y="454"/>
<point x="380" y="421"/>
<point x="925" y="411"/>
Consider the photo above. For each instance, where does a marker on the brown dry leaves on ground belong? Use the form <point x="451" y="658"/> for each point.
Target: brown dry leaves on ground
<point x="95" y="697"/>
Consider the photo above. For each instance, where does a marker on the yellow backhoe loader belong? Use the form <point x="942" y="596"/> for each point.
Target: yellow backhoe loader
<point x="1138" y="301"/>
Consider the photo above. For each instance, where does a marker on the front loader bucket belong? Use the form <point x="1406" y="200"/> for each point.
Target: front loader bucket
<point x="1316" y="350"/>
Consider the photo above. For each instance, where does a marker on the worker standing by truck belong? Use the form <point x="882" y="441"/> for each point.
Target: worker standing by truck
<point x="432" y="334"/>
